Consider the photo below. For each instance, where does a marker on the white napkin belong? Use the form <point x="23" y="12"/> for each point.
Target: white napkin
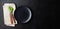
<point x="6" y="13"/>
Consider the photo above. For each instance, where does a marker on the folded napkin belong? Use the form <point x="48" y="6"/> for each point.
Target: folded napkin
<point x="8" y="10"/>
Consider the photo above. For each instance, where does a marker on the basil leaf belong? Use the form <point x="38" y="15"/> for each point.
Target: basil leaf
<point x="11" y="8"/>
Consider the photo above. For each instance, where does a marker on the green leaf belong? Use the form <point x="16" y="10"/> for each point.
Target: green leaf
<point x="11" y="8"/>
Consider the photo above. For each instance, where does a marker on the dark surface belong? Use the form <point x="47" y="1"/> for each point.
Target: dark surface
<point x="44" y="14"/>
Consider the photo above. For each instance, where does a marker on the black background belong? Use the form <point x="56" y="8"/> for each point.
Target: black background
<point x="44" y="14"/>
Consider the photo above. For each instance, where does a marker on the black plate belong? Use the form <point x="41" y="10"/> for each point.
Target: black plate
<point x="22" y="14"/>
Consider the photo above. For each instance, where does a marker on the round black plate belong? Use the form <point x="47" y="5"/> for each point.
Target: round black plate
<point x="22" y="14"/>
